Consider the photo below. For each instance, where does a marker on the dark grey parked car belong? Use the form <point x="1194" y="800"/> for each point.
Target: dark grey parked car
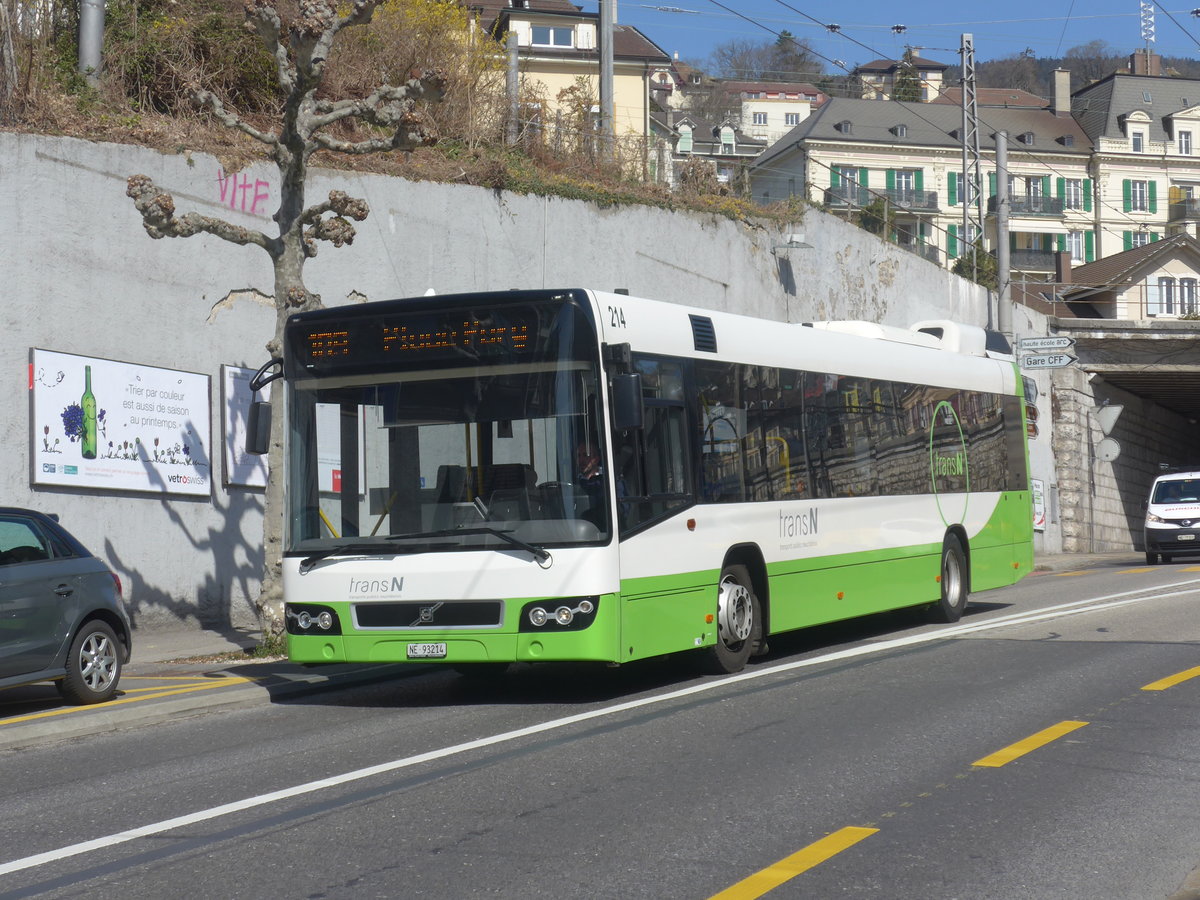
<point x="61" y="613"/>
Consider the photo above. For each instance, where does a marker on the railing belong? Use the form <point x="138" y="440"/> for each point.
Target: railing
<point x="1023" y="205"/>
<point x="1187" y="208"/>
<point x="926" y="251"/>
<point x="855" y="197"/>
<point x="1032" y="260"/>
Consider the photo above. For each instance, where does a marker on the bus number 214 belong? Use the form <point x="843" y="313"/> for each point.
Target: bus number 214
<point x="617" y="316"/>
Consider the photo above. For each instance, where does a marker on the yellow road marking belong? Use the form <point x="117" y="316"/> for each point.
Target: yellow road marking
<point x="1191" y="569"/>
<point x="1137" y="571"/>
<point x="790" y="866"/>
<point x="1067" y="574"/>
<point x="223" y="682"/>
<point x="195" y="678"/>
<point x="1029" y="744"/>
<point x="1171" y="680"/>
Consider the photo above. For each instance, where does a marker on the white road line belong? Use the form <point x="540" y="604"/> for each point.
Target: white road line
<point x="225" y="809"/>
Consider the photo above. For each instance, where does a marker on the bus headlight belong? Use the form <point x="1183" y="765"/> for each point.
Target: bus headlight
<point x="308" y="618"/>
<point x="559" y="614"/>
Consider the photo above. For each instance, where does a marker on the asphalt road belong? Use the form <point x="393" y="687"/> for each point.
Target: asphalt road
<point x="1018" y="755"/>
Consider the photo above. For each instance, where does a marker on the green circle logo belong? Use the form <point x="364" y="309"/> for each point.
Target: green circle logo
<point x="949" y="470"/>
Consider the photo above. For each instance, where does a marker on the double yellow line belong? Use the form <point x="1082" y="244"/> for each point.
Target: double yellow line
<point x="190" y="685"/>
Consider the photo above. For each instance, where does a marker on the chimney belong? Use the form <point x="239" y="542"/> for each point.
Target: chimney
<point x="1145" y="62"/>
<point x="1062" y="92"/>
<point x="1062" y="267"/>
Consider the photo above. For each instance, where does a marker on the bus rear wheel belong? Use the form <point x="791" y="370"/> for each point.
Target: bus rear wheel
<point x="953" y="600"/>
<point x="739" y="623"/>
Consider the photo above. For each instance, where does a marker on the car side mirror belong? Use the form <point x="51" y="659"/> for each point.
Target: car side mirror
<point x="258" y="428"/>
<point x="628" y="412"/>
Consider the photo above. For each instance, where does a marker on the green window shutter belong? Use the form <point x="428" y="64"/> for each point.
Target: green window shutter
<point x="991" y="184"/>
<point x="1046" y="186"/>
<point x="1048" y="242"/>
<point x="1061" y="185"/>
<point x="952" y="188"/>
<point x="1062" y="240"/>
<point x="1087" y="195"/>
<point x="1127" y="239"/>
<point x="1152" y="189"/>
<point x="952" y="241"/>
<point x="862" y="177"/>
<point x="1089" y="246"/>
<point x="835" y="177"/>
<point x="1127" y="196"/>
<point x="1012" y="241"/>
<point x="890" y="179"/>
<point x="919" y="180"/>
<point x="1154" y="236"/>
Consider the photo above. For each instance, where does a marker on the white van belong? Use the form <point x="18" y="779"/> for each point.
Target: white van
<point x="1173" y="516"/>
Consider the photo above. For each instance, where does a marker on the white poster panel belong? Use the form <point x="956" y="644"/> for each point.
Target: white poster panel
<point x="1039" y="504"/>
<point x="240" y="467"/>
<point x="99" y="423"/>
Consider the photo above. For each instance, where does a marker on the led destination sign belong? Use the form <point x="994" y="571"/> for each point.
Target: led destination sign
<point x="451" y="336"/>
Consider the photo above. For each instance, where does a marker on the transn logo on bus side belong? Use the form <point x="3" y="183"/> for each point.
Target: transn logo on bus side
<point x="798" y="525"/>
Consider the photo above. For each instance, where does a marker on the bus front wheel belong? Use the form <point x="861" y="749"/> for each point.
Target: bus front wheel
<point x="739" y="623"/>
<point x="952" y="602"/>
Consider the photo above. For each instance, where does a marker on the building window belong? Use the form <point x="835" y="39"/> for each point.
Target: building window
<point x="685" y="139"/>
<point x="1187" y="297"/>
<point x="1073" y="193"/>
<point x="728" y="146"/>
<point x="1138" y="197"/>
<point x="1139" y="239"/>
<point x="1137" y="142"/>
<point x="760" y="118"/>
<point x="553" y="36"/>
<point x="791" y="119"/>
<point x="1162" y="301"/>
<point x="1185" y="143"/>
<point x="906" y="181"/>
<point x="1075" y="245"/>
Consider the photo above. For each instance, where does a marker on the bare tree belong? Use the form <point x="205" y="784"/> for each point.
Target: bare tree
<point x="8" y="57"/>
<point x="299" y="61"/>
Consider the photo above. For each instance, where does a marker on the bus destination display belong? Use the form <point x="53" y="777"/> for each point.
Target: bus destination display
<point x="456" y="335"/>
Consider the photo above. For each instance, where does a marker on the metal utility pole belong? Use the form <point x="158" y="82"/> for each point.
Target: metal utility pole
<point x="607" y="21"/>
<point x="1003" y="275"/>
<point x="972" y="169"/>
<point x="91" y="39"/>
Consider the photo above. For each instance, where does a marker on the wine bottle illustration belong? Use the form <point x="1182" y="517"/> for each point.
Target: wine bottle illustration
<point x="88" y="403"/>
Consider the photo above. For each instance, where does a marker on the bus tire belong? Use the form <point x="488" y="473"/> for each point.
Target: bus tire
<point x="953" y="599"/>
<point x="1151" y="558"/>
<point x="739" y="623"/>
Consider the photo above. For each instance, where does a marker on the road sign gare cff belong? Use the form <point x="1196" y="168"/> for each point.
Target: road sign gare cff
<point x="1047" y="360"/>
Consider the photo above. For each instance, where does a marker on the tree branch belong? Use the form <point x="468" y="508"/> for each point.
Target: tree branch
<point x="158" y="217"/>
<point x="337" y="230"/>
<point x="263" y="20"/>
<point x="213" y="102"/>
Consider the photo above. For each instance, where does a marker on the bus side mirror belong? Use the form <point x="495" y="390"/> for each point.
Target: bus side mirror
<point x="258" y="428"/>
<point x="627" y="401"/>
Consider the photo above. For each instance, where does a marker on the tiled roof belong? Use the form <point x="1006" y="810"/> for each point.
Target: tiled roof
<point x="891" y="65"/>
<point x="1119" y="268"/>
<point x="1099" y="107"/>
<point x="929" y="125"/>
<point x="1014" y="97"/>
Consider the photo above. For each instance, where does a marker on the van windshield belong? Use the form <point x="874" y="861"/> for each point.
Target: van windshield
<point x="1179" y="490"/>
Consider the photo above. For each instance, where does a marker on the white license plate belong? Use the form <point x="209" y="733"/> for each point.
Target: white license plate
<point x="427" y="651"/>
<point x="1185" y="537"/>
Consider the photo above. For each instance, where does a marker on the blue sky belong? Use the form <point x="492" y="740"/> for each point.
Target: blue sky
<point x="1047" y="27"/>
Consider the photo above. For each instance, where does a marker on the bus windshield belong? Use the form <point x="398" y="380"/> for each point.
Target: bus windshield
<point x="435" y="428"/>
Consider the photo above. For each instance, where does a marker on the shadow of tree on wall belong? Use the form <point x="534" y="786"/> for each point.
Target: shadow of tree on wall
<point x="235" y="571"/>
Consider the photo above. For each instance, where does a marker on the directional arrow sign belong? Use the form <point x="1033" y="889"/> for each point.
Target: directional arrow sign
<point x="1047" y="361"/>
<point x="1046" y="343"/>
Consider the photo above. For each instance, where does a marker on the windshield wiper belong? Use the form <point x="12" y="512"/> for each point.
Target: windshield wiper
<point x="308" y="562"/>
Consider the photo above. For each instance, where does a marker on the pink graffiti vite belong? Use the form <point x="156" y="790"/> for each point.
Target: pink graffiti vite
<point x="243" y="192"/>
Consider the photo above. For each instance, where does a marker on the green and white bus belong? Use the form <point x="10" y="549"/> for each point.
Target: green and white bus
<point x="525" y="476"/>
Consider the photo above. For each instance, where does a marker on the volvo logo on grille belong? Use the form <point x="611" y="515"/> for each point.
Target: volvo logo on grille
<point x="425" y="616"/>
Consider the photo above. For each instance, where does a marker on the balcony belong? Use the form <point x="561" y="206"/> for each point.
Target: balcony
<point x="926" y="251"/>
<point x="1032" y="207"/>
<point x="855" y="197"/>
<point x="1183" y="210"/>
<point x="1031" y="260"/>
